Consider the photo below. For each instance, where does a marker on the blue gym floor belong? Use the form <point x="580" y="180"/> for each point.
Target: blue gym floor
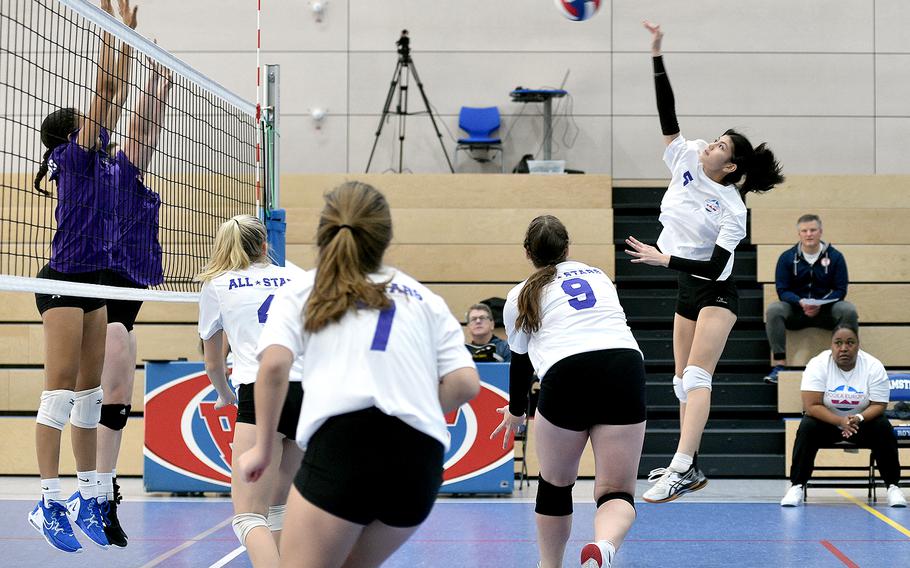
<point x="839" y="530"/>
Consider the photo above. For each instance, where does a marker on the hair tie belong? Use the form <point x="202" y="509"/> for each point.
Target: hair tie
<point x="345" y="226"/>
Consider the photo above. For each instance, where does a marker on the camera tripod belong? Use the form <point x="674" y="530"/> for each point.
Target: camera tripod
<point x="400" y="79"/>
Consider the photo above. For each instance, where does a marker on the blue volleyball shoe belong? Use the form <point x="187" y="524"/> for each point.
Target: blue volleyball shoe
<point x="87" y="515"/>
<point x="54" y="525"/>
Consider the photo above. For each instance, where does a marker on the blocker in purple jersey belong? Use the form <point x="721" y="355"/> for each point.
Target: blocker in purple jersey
<point x="578" y="10"/>
<point x="86" y="227"/>
<point x="137" y="255"/>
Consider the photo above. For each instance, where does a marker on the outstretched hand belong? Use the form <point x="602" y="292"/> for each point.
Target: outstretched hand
<point x="509" y="426"/>
<point x="646" y="254"/>
<point x="656" y="36"/>
<point x="126" y="14"/>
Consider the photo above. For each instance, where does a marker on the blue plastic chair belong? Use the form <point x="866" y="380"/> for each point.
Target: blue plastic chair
<point x="480" y="124"/>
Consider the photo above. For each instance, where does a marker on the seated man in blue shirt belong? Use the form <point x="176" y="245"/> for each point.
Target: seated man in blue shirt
<point x="812" y="283"/>
<point x="484" y="346"/>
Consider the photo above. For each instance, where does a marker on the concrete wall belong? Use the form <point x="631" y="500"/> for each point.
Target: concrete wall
<point x="825" y="82"/>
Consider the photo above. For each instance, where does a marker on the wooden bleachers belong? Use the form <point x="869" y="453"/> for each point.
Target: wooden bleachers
<point x="460" y="234"/>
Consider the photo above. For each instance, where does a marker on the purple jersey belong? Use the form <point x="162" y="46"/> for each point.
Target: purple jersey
<point x="86" y="227"/>
<point x="138" y="254"/>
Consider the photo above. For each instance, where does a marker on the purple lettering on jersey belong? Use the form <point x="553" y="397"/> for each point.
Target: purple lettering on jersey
<point x="86" y="224"/>
<point x="383" y="328"/>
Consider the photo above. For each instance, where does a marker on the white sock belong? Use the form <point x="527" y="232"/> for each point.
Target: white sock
<point x="50" y="490"/>
<point x="88" y="483"/>
<point x="105" y="486"/>
<point x="681" y="462"/>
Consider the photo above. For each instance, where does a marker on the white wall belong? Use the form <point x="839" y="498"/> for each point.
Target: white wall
<point x="825" y="82"/>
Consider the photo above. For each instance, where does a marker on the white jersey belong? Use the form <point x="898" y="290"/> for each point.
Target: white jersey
<point x="696" y="211"/>
<point x="239" y="302"/>
<point x="391" y="359"/>
<point x="580" y="312"/>
<point x="847" y="392"/>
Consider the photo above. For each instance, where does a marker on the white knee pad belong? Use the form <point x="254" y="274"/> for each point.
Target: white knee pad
<point x="55" y="408"/>
<point x="243" y="523"/>
<point x="695" y="378"/>
<point x="678" y="389"/>
<point x="87" y="408"/>
<point x="276" y="517"/>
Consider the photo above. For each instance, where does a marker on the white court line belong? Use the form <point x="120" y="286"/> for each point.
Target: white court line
<point x="231" y="555"/>
<point x="187" y="544"/>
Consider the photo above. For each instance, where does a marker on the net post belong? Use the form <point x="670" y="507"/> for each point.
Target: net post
<point x="275" y="221"/>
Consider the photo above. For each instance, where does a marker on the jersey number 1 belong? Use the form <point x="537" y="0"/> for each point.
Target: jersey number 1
<point x="383" y="328"/>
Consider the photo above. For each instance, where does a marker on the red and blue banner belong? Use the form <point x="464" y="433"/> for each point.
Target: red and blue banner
<point x="188" y="442"/>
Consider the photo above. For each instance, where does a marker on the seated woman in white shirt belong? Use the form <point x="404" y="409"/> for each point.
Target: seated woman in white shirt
<point x="845" y="391"/>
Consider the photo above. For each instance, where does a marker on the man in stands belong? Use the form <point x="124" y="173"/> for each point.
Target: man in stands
<point x="811" y="283"/>
<point x="484" y="346"/>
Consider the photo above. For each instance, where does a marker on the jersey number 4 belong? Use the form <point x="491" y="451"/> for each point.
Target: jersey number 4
<point x="581" y="292"/>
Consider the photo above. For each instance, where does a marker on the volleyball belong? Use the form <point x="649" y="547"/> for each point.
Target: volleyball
<point x="578" y="10"/>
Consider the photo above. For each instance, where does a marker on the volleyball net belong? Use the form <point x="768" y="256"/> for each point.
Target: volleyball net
<point x="157" y="157"/>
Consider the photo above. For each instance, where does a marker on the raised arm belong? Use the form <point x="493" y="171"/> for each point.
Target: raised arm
<point x="145" y="124"/>
<point x="106" y="81"/>
<point x="666" y="104"/>
<point x="122" y="69"/>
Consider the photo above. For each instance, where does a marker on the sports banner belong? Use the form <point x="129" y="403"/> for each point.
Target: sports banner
<point x="188" y="442"/>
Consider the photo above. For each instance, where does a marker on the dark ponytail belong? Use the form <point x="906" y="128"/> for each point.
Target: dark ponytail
<point x="761" y="170"/>
<point x="547" y="244"/>
<point x="55" y="130"/>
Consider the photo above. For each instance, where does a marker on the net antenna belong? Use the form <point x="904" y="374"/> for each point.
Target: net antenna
<point x="194" y="143"/>
<point x="400" y="79"/>
<point x="273" y="215"/>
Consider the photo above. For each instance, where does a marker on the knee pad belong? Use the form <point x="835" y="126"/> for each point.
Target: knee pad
<point x="246" y="522"/>
<point x="55" y="408"/>
<point x="276" y="517"/>
<point x="678" y="389"/>
<point x="616" y="495"/>
<point x="695" y="378"/>
<point x="114" y="416"/>
<point x="553" y="501"/>
<point x="87" y="408"/>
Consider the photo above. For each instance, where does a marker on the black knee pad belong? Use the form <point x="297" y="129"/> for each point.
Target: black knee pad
<point x="617" y="495"/>
<point x="114" y="416"/>
<point x="553" y="501"/>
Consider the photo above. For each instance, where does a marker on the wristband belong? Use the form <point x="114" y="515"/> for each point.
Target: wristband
<point x="860" y="417"/>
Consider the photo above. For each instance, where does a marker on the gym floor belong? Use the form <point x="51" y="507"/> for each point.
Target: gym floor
<point x="729" y="523"/>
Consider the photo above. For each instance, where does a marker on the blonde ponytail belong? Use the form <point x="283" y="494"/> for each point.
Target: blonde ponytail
<point x="238" y="244"/>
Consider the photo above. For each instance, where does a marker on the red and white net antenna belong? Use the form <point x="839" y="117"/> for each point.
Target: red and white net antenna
<point x="258" y="110"/>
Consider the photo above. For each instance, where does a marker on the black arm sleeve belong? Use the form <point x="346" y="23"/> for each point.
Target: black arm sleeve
<point x="706" y="268"/>
<point x="666" y="104"/>
<point x="521" y="374"/>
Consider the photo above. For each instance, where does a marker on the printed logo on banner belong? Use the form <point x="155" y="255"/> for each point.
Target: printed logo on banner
<point x="189" y="436"/>
<point x="472" y="453"/>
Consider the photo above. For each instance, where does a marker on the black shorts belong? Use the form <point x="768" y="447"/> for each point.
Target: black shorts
<point x="368" y="466"/>
<point x="48" y="301"/>
<point x="290" y="412"/>
<point x="598" y="387"/>
<point x="121" y="311"/>
<point x="697" y="293"/>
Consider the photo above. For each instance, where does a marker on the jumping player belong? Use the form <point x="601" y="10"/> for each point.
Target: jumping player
<point x="74" y="327"/>
<point x="383" y="359"/>
<point x="565" y="323"/>
<point x="136" y="263"/>
<point x="703" y="214"/>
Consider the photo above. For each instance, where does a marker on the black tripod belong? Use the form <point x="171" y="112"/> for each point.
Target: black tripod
<point x="403" y="69"/>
